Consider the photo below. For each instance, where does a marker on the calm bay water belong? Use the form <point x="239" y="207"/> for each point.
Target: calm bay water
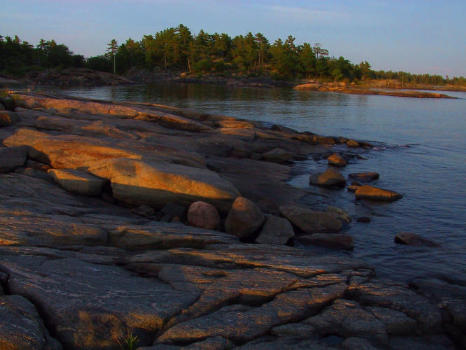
<point x="421" y="154"/>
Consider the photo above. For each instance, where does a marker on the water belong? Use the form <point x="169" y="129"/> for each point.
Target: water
<point x="421" y="155"/>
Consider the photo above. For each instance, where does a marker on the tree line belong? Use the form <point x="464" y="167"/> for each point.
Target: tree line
<point x="178" y="50"/>
<point x="18" y="57"/>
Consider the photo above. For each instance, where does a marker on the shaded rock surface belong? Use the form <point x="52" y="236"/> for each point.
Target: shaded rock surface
<point x="21" y="327"/>
<point x="91" y="270"/>
<point x="276" y="230"/>
<point x="12" y="158"/>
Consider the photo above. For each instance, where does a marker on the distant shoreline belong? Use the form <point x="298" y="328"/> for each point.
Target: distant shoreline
<point x="82" y="77"/>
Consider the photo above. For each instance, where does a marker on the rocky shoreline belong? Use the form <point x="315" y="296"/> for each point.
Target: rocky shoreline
<point x="140" y="223"/>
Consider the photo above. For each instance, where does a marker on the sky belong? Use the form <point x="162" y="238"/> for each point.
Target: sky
<point x="419" y="36"/>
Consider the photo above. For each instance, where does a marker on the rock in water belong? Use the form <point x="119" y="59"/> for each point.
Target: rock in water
<point x="311" y="221"/>
<point x="244" y="218"/>
<point x="366" y="176"/>
<point x="203" y="215"/>
<point x="329" y="178"/>
<point x="336" y="160"/>
<point x="329" y="240"/>
<point x="376" y="194"/>
<point x="12" y="158"/>
<point x="276" y="230"/>
<point x="352" y="143"/>
<point x="78" y="181"/>
<point x="409" y="238"/>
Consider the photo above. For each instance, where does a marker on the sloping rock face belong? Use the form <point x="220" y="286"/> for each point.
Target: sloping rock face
<point x="81" y="272"/>
<point x="78" y="182"/>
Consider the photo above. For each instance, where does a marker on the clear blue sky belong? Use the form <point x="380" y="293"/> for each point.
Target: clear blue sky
<point x="411" y="35"/>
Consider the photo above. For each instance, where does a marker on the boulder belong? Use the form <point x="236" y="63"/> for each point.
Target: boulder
<point x="278" y="155"/>
<point x="157" y="183"/>
<point x="276" y="230"/>
<point x="365" y="176"/>
<point x="312" y="221"/>
<point x="203" y="215"/>
<point x="376" y="194"/>
<point x="329" y="240"/>
<point x="329" y="178"/>
<point x="78" y="182"/>
<point x="244" y="218"/>
<point x="409" y="238"/>
<point x="12" y="158"/>
<point x="336" y="160"/>
<point x="7" y="118"/>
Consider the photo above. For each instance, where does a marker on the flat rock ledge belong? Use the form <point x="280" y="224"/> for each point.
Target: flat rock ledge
<point x="94" y="265"/>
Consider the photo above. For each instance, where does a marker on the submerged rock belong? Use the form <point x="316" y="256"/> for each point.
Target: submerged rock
<point x="329" y="178"/>
<point x="366" y="176"/>
<point x="244" y="218"/>
<point x="376" y="194"/>
<point x="409" y="238"/>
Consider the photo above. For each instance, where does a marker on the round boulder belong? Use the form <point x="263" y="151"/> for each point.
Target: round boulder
<point x="336" y="160"/>
<point x="203" y="215"/>
<point x="329" y="178"/>
<point x="244" y="218"/>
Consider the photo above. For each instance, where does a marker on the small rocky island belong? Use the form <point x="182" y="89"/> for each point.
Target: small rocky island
<point x="136" y="225"/>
